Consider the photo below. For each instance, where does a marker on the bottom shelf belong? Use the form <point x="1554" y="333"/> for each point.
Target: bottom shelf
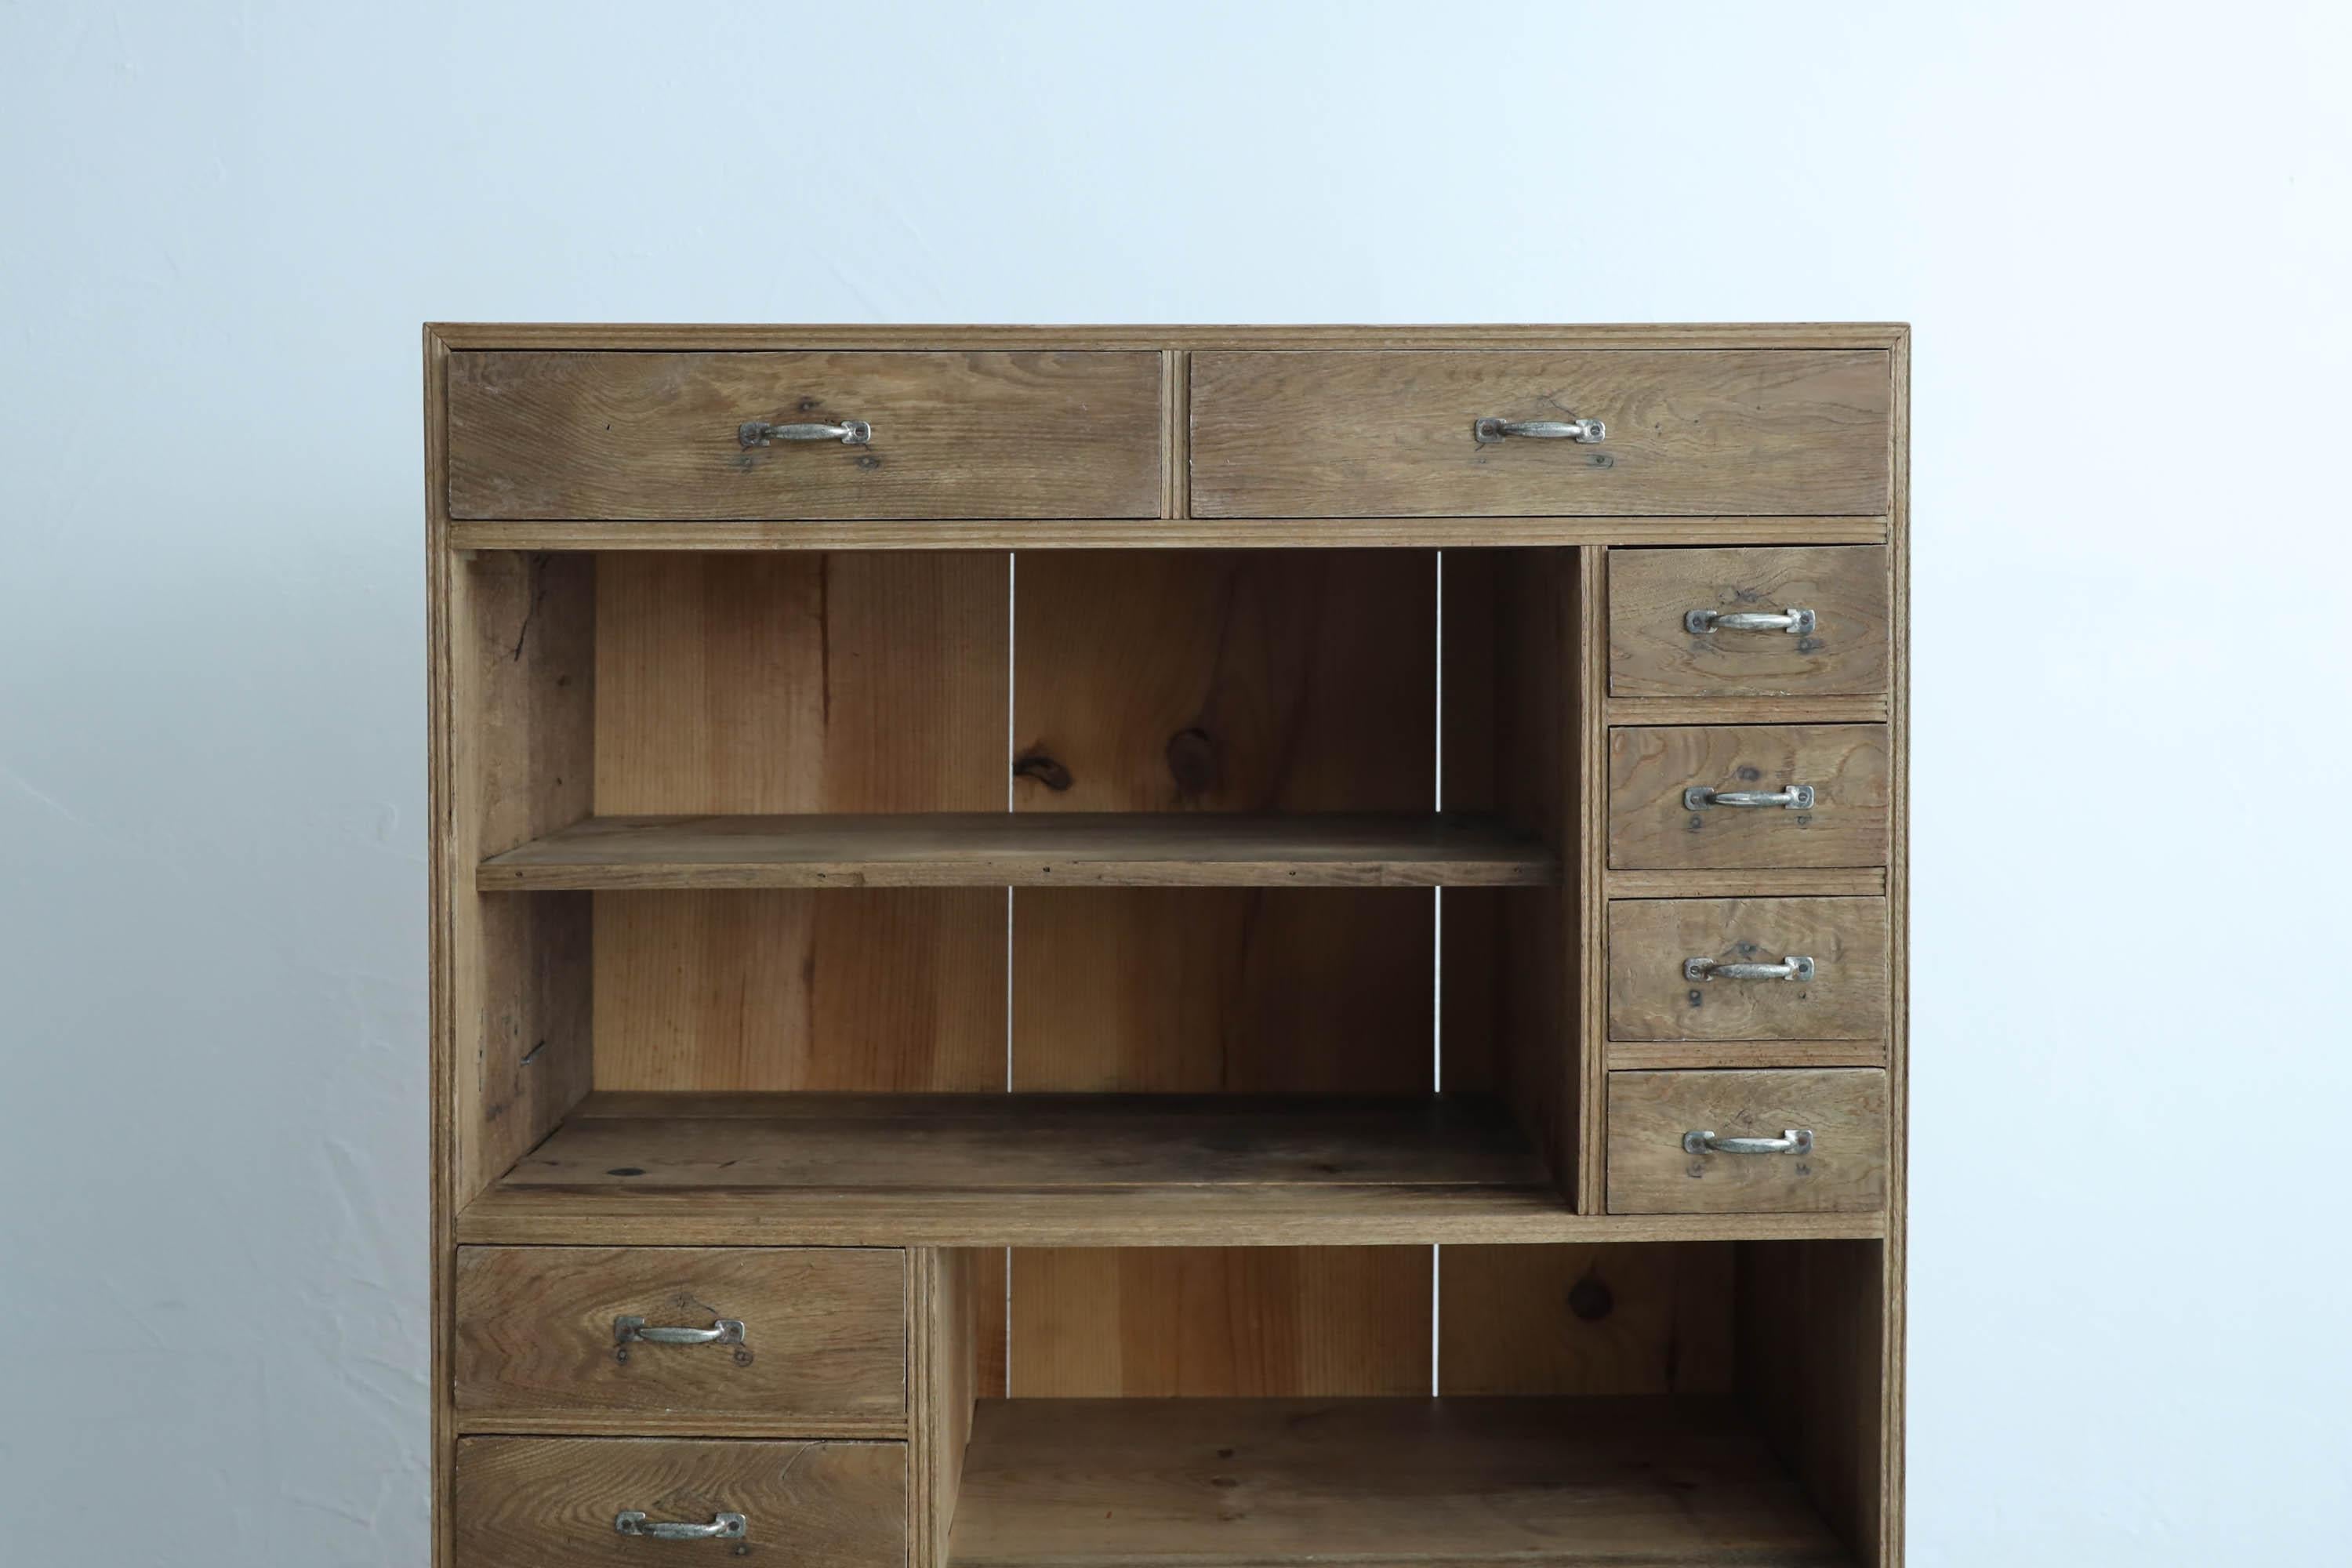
<point x="1225" y="1483"/>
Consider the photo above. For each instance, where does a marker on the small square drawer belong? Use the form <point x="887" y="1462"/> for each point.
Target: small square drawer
<point x="1546" y="433"/>
<point x="540" y="434"/>
<point x="563" y="1334"/>
<point x="575" y="1502"/>
<point x="1749" y="623"/>
<point x="1747" y="797"/>
<point x="1747" y="969"/>
<point x="1747" y="1143"/>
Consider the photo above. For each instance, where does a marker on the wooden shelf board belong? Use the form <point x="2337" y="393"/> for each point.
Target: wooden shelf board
<point x="1055" y="1170"/>
<point x="994" y="849"/>
<point x="1349" y="1483"/>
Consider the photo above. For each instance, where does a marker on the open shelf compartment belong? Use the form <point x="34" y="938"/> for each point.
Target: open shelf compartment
<point x="744" y="826"/>
<point x="1567" y="1407"/>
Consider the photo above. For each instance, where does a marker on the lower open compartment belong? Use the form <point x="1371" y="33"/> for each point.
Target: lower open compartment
<point x="1683" y="1402"/>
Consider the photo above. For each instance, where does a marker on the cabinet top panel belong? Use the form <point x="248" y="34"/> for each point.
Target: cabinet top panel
<point x="1661" y="335"/>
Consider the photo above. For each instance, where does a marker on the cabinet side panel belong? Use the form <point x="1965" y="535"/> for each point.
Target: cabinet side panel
<point x="1223" y="681"/>
<point x="1510" y="986"/>
<point x="819" y="682"/>
<point x="522" y="690"/>
<point x="1811" y="1336"/>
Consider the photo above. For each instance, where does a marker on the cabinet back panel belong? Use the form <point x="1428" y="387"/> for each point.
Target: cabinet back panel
<point x="817" y="682"/>
<point x="1223" y="681"/>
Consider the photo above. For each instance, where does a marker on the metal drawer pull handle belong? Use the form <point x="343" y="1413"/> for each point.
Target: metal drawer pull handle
<point x="849" y="433"/>
<point x="1796" y="798"/>
<point x="634" y="1331"/>
<point x="1795" y="622"/>
<point x="722" y="1527"/>
<point x="1713" y="969"/>
<point x="1794" y="1141"/>
<point x="1586" y="431"/>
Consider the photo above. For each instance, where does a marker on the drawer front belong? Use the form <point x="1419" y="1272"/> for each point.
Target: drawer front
<point x="1841" y="1111"/>
<point x="545" y="435"/>
<point x="1656" y="823"/>
<point x="824" y="1331"/>
<point x="551" y="1502"/>
<point x="1833" y="950"/>
<point x="1389" y="433"/>
<point x="1835" y="597"/>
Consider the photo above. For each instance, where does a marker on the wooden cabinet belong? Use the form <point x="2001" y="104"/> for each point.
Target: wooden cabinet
<point x="938" y="910"/>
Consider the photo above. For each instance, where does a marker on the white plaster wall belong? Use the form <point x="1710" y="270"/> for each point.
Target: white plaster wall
<point x="2121" y="231"/>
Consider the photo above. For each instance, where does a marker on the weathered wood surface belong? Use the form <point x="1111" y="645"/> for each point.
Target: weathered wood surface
<point x="824" y="1337"/>
<point x="800" y="684"/>
<point x="984" y="432"/>
<point x="1652" y="653"/>
<point x="1650" y="999"/>
<point x="1650" y="828"/>
<point x="1436" y="1483"/>
<point x="1387" y="433"/>
<point x="1844" y="1108"/>
<point x="1028" y="849"/>
<point x="549" y="1502"/>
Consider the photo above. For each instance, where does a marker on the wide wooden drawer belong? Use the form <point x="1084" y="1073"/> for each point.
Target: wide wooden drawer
<point x="1734" y="796"/>
<point x="1676" y="627"/>
<point x="1389" y="433"/>
<point x="981" y="434"/>
<point x="1815" y="1142"/>
<point x="804" y="1335"/>
<point x="555" y="1503"/>
<point x="1747" y="969"/>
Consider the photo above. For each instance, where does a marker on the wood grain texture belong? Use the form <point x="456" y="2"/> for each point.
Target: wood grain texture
<point x="1844" y="1434"/>
<point x="1845" y="1110"/>
<point x="1891" y="1257"/>
<point x="951" y="1313"/>
<point x="448" y="854"/>
<point x="1122" y="1483"/>
<point x="1028" y="1142"/>
<point x="1846" y="764"/>
<point x="1649" y="999"/>
<point x="1210" y="990"/>
<point x="824" y="1338"/>
<point x="1592" y="862"/>
<point x="1588" y="1321"/>
<point x="1225" y="682"/>
<point x="1793" y="882"/>
<point x="832" y="990"/>
<point x="1509" y="959"/>
<point x="1374" y="433"/>
<point x="520" y="682"/>
<point x="1813" y="1342"/>
<point x="981" y="433"/>
<point x="1628" y="711"/>
<point x="1632" y="1055"/>
<point x="639" y="337"/>
<point x="1148" y="1322"/>
<point x="1224" y="1216"/>
<point x="800" y="684"/>
<point x="756" y="534"/>
<point x="549" y="1502"/>
<point x="1652" y="653"/>
<point x="1246" y="849"/>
